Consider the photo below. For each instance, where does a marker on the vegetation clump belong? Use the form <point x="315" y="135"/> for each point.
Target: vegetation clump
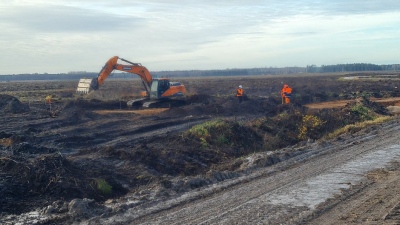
<point x="363" y="112"/>
<point x="103" y="186"/>
<point x="309" y="124"/>
<point x="224" y="133"/>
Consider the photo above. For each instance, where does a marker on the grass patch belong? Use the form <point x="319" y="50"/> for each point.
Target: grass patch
<point x="103" y="186"/>
<point x="357" y="126"/>
<point x="363" y="112"/>
<point x="233" y="136"/>
<point x="6" y="142"/>
<point x="216" y="132"/>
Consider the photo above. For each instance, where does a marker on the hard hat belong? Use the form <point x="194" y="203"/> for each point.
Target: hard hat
<point x="240" y="86"/>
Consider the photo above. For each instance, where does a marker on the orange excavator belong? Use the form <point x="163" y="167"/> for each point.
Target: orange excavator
<point x="157" y="89"/>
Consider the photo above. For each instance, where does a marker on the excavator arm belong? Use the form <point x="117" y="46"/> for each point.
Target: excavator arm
<point x="88" y="85"/>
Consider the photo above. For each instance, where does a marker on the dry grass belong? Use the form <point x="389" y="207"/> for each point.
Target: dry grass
<point x="394" y="109"/>
<point x="358" y="126"/>
<point x="140" y="112"/>
<point x="6" y="142"/>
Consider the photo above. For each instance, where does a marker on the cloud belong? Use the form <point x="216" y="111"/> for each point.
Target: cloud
<point x="64" y="19"/>
<point x="172" y="34"/>
<point x="343" y="7"/>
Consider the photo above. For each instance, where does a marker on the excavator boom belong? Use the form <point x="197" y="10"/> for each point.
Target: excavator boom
<point x="87" y="85"/>
<point x="138" y="70"/>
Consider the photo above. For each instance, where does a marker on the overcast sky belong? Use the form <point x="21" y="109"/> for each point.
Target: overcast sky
<point x="59" y="36"/>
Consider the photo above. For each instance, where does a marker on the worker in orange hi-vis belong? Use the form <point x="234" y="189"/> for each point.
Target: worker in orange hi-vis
<point x="286" y="93"/>
<point x="239" y="93"/>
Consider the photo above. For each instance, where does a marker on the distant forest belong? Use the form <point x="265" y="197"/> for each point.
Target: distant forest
<point x="76" y="75"/>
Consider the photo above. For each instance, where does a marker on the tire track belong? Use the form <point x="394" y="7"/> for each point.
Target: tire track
<point x="248" y="200"/>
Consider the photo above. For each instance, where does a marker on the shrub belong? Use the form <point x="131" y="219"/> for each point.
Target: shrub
<point x="363" y="112"/>
<point x="233" y="135"/>
<point x="103" y="186"/>
<point x="309" y="124"/>
<point x="215" y="131"/>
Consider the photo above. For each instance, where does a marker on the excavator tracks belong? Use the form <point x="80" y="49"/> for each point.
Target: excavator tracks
<point x="146" y="103"/>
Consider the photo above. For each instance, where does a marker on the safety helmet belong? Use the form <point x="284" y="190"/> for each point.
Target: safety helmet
<point x="240" y="86"/>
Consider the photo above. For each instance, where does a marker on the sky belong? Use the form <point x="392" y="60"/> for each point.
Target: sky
<point x="61" y="36"/>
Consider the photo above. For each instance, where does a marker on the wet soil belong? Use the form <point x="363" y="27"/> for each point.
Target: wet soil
<point x="95" y="149"/>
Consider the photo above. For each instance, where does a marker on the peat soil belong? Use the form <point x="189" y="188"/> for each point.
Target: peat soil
<point x="65" y="161"/>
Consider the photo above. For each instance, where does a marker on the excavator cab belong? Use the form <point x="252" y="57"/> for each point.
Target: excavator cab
<point x="158" y="88"/>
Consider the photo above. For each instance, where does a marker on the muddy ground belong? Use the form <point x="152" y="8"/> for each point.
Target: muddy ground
<point x="91" y="150"/>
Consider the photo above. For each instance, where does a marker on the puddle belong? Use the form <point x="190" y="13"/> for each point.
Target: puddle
<point x="318" y="189"/>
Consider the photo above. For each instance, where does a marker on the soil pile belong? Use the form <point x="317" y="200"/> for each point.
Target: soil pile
<point x="78" y="112"/>
<point x="35" y="180"/>
<point x="207" y="105"/>
<point x="10" y="104"/>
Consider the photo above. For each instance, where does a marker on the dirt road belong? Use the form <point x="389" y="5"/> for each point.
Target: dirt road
<point x="342" y="103"/>
<point x="352" y="180"/>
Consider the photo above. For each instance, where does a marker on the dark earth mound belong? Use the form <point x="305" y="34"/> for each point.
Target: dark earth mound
<point x="10" y="104"/>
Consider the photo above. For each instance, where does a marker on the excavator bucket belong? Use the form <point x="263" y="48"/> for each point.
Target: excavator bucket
<point x="86" y="85"/>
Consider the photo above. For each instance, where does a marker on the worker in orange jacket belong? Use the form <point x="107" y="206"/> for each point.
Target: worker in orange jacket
<point x="286" y="93"/>
<point x="239" y="93"/>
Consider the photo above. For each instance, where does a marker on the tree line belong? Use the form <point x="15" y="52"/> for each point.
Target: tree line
<point x="354" y="67"/>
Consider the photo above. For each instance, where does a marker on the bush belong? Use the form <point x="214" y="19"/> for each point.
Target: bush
<point x="363" y="112"/>
<point x="103" y="186"/>
<point x="225" y="134"/>
<point x="309" y="124"/>
<point x="216" y="132"/>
